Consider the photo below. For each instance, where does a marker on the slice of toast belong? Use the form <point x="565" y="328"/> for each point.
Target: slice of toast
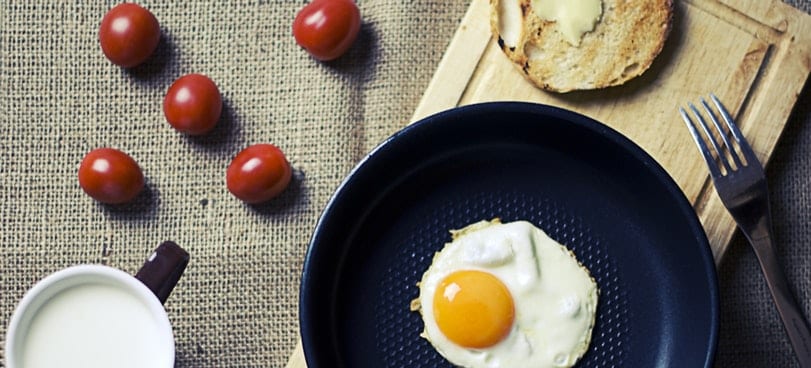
<point x="622" y="45"/>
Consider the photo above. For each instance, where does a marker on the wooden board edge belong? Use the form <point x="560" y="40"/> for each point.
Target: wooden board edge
<point x="297" y="357"/>
<point x="460" y="61"/>
<point x="775" y="90"/>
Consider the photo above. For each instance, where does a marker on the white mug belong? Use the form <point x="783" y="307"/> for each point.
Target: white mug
<point x="98" y="316"/>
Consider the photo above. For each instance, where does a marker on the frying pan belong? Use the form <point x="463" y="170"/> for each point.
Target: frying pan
<point x="586" y="185"/>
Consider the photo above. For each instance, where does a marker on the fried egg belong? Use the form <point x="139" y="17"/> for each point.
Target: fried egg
<point x="507" y="295"/>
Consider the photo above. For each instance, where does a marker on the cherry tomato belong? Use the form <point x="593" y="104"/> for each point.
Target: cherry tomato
<point x="258" y="173"/>
<point x="327" y="28"/>
<point x="110" y="176"/>
<point x="128" y="34"/>
<point x="193" y="104"/>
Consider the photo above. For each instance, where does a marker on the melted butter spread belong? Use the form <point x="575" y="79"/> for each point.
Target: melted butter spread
<point x="572" y="17"/>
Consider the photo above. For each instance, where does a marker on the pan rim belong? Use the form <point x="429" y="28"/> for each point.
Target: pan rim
<point x="315" y="255"/>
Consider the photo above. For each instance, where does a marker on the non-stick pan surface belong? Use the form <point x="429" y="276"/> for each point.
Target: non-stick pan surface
<point x="586" y="185"/>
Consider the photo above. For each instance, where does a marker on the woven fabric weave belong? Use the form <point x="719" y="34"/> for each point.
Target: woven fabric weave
<point x="236" y="305"/>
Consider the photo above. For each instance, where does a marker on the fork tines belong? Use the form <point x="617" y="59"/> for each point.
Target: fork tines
<point x="740" y="156"/>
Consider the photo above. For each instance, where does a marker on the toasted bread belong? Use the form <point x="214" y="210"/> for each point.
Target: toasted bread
<point x="623" y="44"/>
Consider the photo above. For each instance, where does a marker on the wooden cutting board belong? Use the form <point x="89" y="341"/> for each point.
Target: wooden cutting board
<point x="755" y="55"/>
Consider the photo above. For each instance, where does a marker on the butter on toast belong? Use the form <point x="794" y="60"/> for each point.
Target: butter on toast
<point x="627" y="37"/>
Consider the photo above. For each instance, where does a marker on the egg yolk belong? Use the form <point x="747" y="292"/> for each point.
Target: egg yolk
<point x="473" y="309"/>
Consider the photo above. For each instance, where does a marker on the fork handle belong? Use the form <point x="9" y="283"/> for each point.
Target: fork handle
<point x="793" y="320"/>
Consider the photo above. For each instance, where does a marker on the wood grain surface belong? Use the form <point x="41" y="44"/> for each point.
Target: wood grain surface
<point x="755" y="55"/>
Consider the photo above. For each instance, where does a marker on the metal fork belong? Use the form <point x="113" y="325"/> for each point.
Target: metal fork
<point x="741" y="185"/>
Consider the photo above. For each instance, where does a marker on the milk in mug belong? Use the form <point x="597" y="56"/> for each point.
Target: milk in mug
<point x="87" y="317"/>
<point x="94" y="325"/>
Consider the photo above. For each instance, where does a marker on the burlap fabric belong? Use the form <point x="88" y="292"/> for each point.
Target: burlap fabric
<point x="236" y="306"/>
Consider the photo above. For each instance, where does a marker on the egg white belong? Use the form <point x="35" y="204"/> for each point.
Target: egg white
<point x="555" y="298"/>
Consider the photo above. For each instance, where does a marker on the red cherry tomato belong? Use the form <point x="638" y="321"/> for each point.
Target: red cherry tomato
<point x="258" y="173"/>
<point x="193" y="104"/>
<point x="110" y="176"/>
<point x="327" y="28"/>
<point x="128" y="34"/>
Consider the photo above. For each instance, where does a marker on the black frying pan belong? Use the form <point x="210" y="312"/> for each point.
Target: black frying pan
<point x="586" y="185"/>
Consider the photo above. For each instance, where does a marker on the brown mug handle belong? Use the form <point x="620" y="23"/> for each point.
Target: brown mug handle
<point x="162" y="270"/>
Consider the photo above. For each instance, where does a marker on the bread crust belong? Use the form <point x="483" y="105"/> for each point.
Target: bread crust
<point x="623" y="44"/>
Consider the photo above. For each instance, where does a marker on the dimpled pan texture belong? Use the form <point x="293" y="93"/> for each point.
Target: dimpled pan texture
<point x="587" y="186"/>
